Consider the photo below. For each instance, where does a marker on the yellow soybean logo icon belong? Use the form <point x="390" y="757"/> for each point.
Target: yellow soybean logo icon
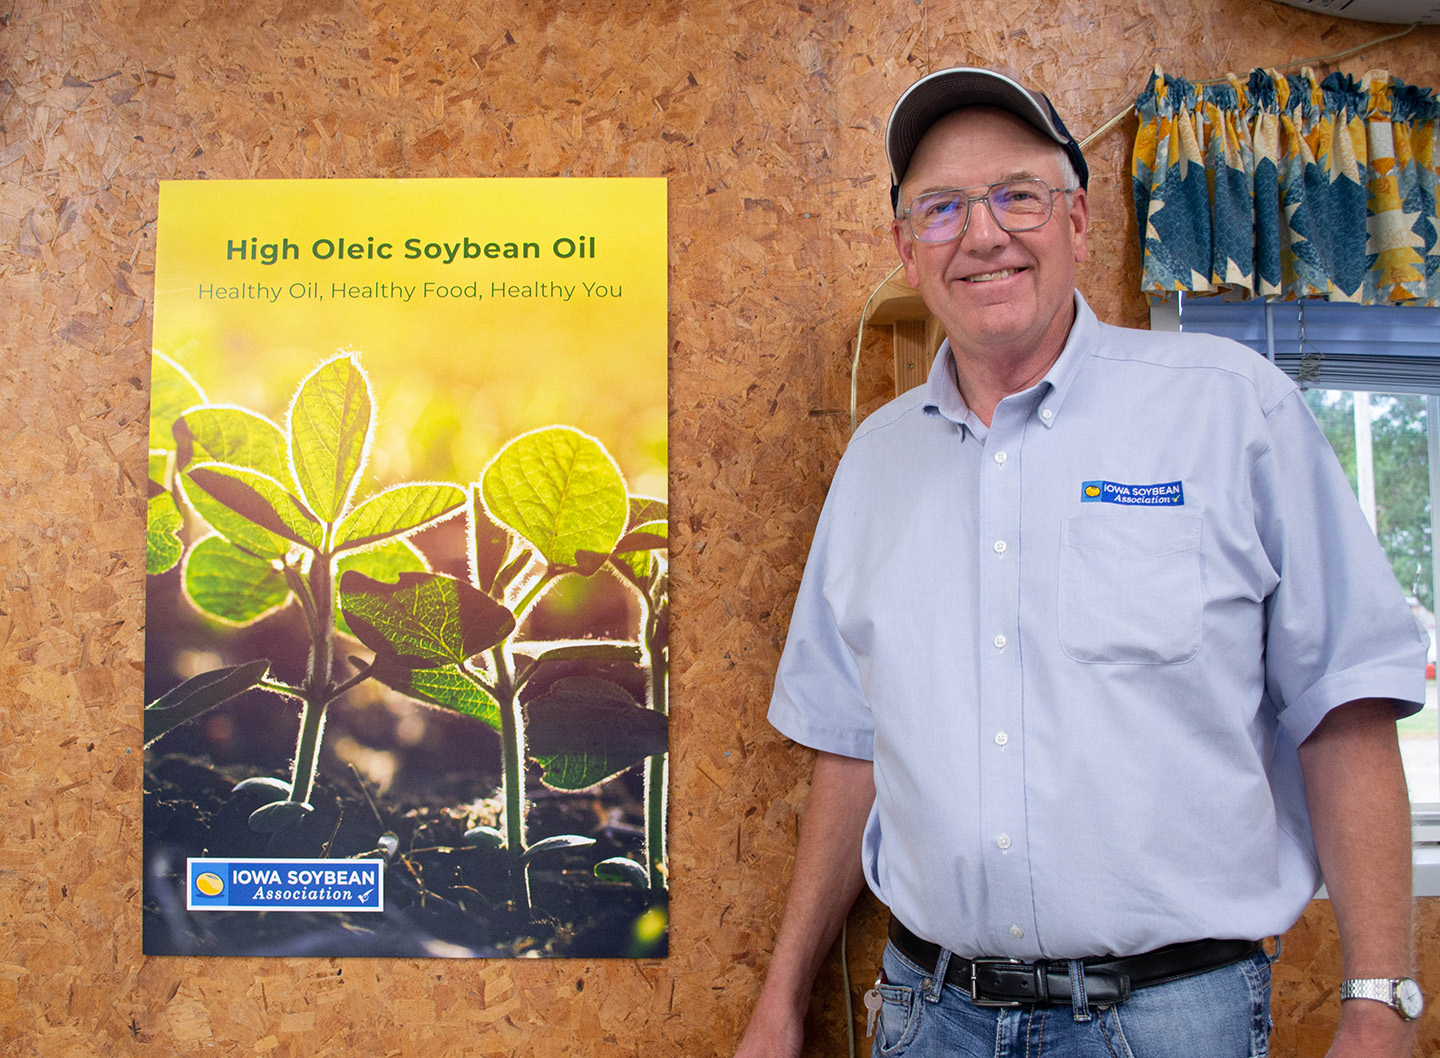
<point x="1092" y="490"/>
<point x="210" y="884"/>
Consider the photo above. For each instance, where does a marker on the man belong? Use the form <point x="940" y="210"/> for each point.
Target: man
<point x="1100" y="657"/>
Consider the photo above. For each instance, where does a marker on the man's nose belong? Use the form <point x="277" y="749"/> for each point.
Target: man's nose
<point x="982" y="230"/>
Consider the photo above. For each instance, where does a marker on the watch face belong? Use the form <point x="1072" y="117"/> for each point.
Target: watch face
<point x="1407" y="995"/>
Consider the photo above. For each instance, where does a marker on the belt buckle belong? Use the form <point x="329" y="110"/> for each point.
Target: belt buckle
<point x="980" y="1001"/>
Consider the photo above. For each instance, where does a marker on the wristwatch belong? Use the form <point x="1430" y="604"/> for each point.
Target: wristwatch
<point x="1401" y="994"/>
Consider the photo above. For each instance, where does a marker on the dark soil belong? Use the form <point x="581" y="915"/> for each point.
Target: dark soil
<point x="443" y="897"/>
<point x="440" y="776"/>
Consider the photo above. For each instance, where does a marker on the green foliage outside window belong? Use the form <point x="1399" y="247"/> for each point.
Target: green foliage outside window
<point x="1399" y="442"/>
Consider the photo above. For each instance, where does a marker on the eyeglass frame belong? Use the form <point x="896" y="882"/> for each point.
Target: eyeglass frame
<point x="970" y="201"/>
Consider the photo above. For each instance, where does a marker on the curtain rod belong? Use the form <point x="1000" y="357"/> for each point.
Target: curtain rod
<point x="1112" y="122"/>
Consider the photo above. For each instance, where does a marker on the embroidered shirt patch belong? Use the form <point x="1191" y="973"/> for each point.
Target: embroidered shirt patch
<point x="1164" y="494"/>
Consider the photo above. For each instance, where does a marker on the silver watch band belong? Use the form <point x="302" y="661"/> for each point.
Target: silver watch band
<point x="1380" y="988"/>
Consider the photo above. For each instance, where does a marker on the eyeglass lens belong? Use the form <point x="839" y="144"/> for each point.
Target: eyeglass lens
<point x="1017" y="205"/>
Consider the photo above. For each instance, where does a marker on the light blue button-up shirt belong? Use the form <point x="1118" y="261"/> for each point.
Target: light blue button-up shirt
<point x="1082" y="645"/>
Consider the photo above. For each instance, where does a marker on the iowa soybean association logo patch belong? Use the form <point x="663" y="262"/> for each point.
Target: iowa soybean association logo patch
<point x="1163" y="494"/>
<point x="285" y="885"/>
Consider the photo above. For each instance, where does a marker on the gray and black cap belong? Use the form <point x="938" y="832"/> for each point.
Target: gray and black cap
<point x="932" y="97"/>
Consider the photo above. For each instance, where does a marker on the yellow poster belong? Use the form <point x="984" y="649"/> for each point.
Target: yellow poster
<point x="406" y="661"/>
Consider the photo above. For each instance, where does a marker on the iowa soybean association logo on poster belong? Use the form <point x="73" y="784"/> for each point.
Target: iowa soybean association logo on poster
<point x="285" y="885"/>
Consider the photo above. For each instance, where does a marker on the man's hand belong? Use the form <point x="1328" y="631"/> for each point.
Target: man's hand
<point x="827" y="879"/>
<point x="1372" y="1030"/>
<point x="776" y="1034"/>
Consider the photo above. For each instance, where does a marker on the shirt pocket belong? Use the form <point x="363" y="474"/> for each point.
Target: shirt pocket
<point x="1130" y="588"/>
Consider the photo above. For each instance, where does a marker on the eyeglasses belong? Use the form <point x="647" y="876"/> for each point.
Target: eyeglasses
<point x="1016" y="205"/>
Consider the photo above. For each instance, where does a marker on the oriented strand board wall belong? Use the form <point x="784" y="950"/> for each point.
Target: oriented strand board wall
<point x="766" y="118"/>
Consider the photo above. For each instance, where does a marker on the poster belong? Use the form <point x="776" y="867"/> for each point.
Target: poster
<point x="407" y="595"/>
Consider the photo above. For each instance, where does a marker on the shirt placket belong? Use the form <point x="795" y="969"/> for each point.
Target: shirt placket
<point x="1006" y="855"/>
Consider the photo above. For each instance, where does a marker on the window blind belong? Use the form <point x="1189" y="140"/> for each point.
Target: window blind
<point x="1331" y="345"/>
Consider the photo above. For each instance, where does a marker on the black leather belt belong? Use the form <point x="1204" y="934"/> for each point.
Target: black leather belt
<point x="1013" y="983"/>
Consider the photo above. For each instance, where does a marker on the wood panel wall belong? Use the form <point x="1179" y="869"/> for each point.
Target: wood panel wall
<point x="766" y="117"/>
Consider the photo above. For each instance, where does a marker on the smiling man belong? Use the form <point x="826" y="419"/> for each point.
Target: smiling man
<point x="1101" y="660"/>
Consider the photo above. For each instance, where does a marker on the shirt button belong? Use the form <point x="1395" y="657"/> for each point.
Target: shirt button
<point x="1000" y="642"/>
<point x="1001" y="738"/>
<point x="1000" y="457"/>
<point x="1003" y="841"/>
<point x="1046" y="414"/>
<point x="999" y="547"/>
<point x="1016" y="932"/>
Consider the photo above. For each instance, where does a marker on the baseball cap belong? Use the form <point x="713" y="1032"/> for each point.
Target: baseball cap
<point x="932" y="97"/>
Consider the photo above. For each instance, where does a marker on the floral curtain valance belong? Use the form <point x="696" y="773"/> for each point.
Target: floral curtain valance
<point x="1288" y="187"/>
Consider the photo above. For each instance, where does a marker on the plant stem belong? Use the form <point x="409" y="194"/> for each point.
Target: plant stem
<point x="307" y="749"/>
<point x="512" y="751"/>
<point x="281" y="688"/>
<point x="317" y="687"/>
<point x="533" y="594"/>
<point x="657" y="766"/>
<point x="512" y="754"/>
<point x="657" y="771"/>
<point x="359" y="677"/>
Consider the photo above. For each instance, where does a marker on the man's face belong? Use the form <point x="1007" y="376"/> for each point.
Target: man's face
<point x="999" y="294"/>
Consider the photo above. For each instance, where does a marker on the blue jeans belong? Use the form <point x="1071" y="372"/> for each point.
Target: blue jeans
<point x="1224" y="1013"/>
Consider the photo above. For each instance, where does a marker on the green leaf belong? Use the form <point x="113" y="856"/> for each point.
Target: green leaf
<point x="645" y="509"/>
<point x="641" y="564"/>
<point x="584" y="731"/>
<point x="278" y="815"/>
<point x="560" y="490"/>
<point x="236" y="528"/>
<point x="162" y="533"/>
<point x="398" y="510"/>
<point x="199" y="694"/>
<point x="172" y="390"/>
<point x="425" y="620"/>
<point x="233" y="585"/>
<point x="267" y="786"/>
<point x="486" y="838"/>
<point x="622" y="869"/>
<point x="489" y="546"/>
<point x="653" y="536"/>
<point x="624" y="650"/>
<point x="510" y="572"/>
<point x="447" y="687"/>
<point x="559" y="843"/>
<point x="330" y="432"/>
<point x="647" y="531"/>
<point x="383" y="562"/>
<point x="217" y="433"/>
<point x="159" y="469"/>
<point x="260" y="501"/>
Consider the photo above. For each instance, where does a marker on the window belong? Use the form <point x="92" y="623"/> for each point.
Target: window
<point x="1371" y="375"/>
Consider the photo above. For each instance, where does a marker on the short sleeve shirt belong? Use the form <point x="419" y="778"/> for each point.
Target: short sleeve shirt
<point x="1082" y="645"/>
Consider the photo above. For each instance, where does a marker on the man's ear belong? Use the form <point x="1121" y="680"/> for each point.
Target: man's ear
<point x="1079" y="222"/>
<point x="900" y="232"/>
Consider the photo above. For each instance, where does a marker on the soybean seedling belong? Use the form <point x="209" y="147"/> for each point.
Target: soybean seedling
<point x="551" y="504"/>
<point x="276" y="520"/>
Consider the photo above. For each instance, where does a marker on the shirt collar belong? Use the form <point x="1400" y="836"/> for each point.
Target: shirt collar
<point x="942" y="393"/>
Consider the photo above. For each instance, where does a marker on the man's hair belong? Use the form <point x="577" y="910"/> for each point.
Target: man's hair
<point x="1069" y="178"/>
